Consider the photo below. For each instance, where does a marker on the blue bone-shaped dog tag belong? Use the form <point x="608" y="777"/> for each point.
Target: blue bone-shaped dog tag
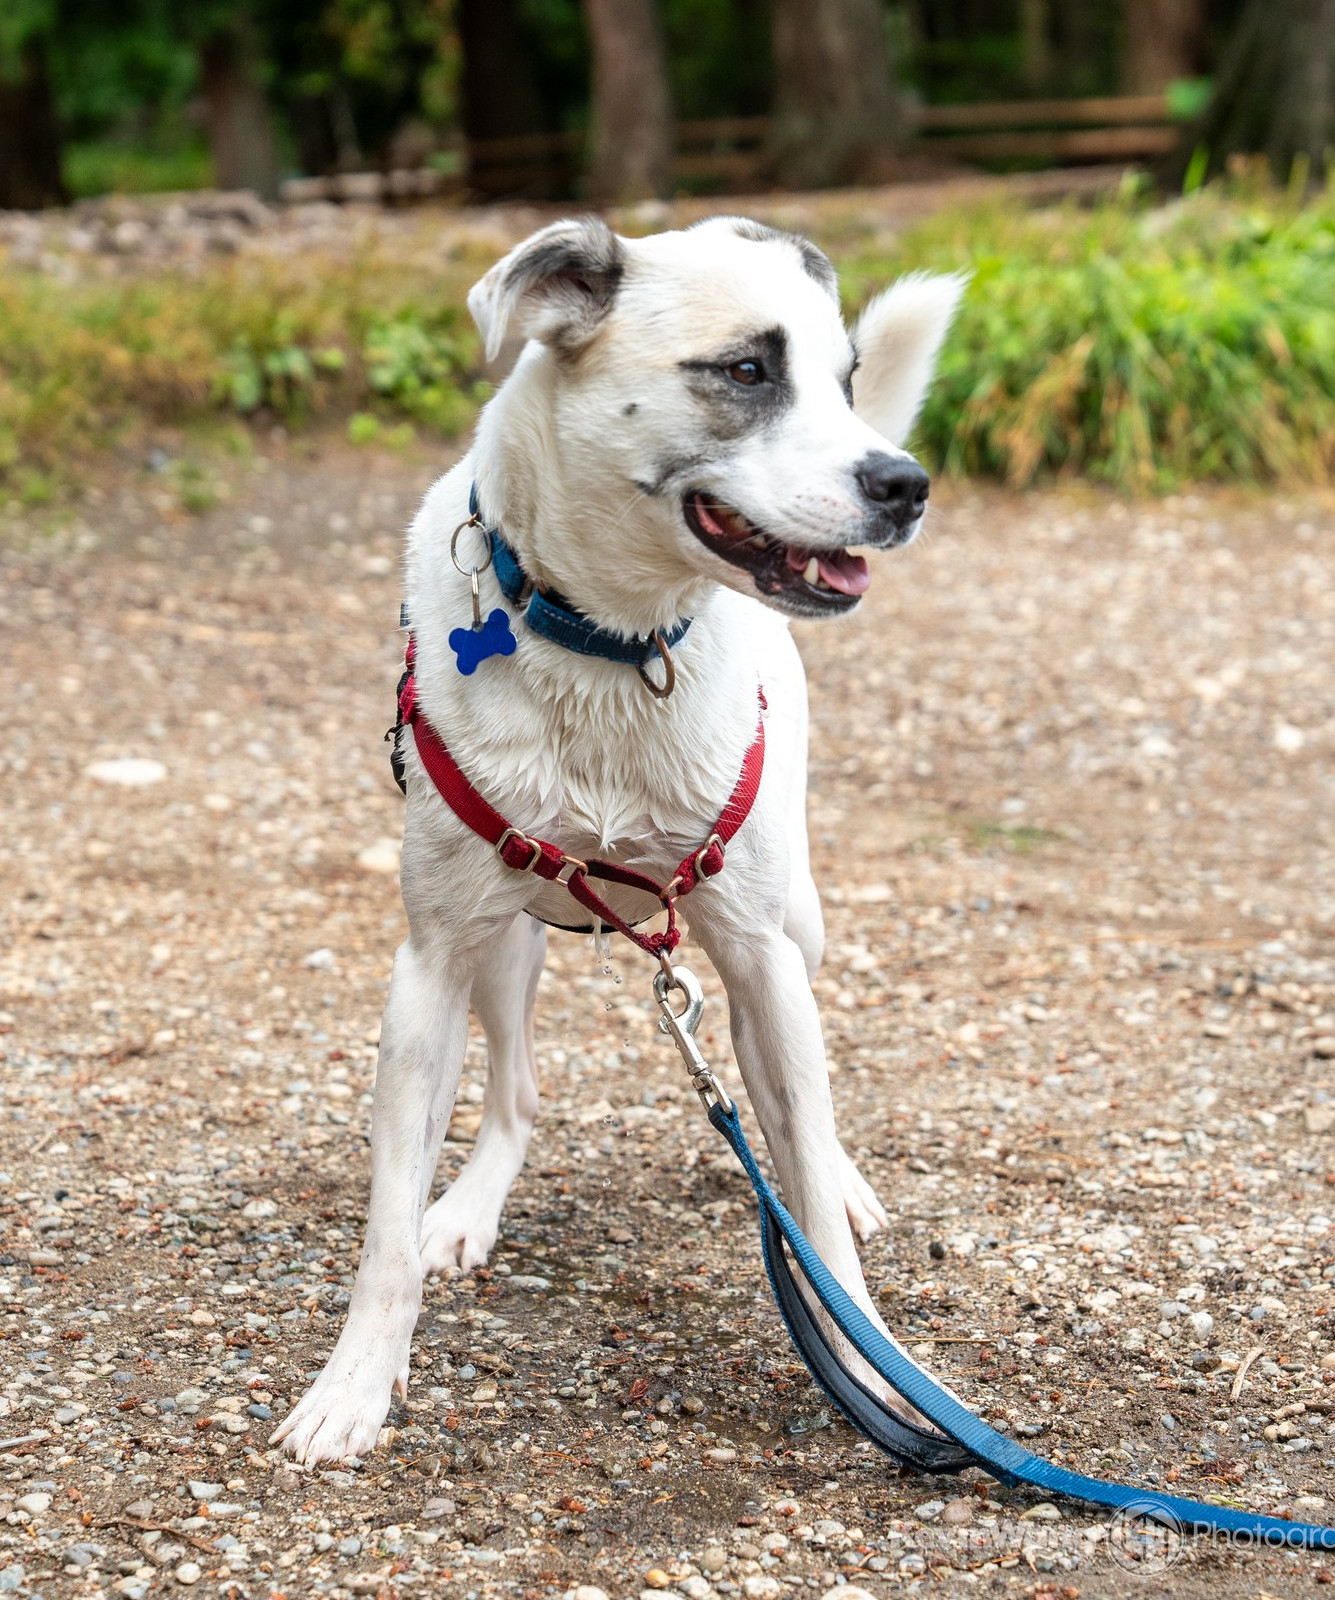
<point x="473" y="646"/>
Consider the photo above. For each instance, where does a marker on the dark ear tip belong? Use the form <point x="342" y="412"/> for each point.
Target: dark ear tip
<point x="572" y="270"/>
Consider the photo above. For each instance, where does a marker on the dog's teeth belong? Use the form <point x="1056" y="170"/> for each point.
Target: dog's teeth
<point x="811" y="572"/>
<point x="757" y="541"/>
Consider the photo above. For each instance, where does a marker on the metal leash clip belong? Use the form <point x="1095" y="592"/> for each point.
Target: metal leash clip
<point x="680" y="1027"/>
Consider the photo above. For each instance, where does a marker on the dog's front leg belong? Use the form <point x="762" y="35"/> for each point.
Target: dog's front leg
<point x="460" y="1229"/>
<point x="422" y="1042"/>
<point x="776" y="1035"/>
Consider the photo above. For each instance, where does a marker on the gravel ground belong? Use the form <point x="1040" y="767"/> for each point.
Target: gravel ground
<point x="1071" y="812"/>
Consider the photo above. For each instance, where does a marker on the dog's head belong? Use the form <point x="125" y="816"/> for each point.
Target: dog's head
<point x="700" y="395"/>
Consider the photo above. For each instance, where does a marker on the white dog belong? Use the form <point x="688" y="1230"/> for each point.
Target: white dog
<point x="690" y="432"/>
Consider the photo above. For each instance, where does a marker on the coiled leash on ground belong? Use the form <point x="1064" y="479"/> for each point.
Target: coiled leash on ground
<point x="964" y="1439"/>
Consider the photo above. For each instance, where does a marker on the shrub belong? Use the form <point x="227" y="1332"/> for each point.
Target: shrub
<point x="1142" y="347"/>
<point x="85" y="365"/>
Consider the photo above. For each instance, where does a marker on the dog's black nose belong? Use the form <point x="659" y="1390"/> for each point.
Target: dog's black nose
<point x="896" y="485"/>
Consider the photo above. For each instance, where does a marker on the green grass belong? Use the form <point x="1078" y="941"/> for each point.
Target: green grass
<point x="101" y="168"/>
<point x="1020" y="840"/>
<point x="90" y="366"/>
<point x="1143" y="347"/>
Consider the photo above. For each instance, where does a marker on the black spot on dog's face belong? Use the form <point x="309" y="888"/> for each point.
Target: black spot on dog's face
<point x="743" y="387"/>
<point x="631" y="409"/>
<point x="672" y="472"/>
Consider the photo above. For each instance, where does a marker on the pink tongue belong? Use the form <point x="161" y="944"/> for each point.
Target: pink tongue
<point x="846" y="572"/>
<point x="841" y="569"/>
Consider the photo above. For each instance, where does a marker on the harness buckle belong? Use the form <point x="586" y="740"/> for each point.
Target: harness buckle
<point x="570" y="865"/>
<point x="713" y="842"/>
<point x="534" y="846"/>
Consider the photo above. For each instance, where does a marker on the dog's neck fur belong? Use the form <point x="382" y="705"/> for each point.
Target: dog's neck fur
<point x="555" y="509"/>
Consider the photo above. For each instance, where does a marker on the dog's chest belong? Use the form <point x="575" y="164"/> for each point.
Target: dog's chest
<point x="608" y="788"/>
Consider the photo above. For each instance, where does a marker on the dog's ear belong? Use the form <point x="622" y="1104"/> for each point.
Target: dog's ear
<point x="560" y="284"/>
<point x="898" y="338"/>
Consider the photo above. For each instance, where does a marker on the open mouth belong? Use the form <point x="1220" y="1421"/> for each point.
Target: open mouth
<point x="813" y="582"/>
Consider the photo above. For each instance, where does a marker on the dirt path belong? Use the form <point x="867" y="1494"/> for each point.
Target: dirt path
<point x="1080" y="999"/>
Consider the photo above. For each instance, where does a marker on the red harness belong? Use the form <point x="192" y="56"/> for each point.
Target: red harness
<point x="524" y="853"/>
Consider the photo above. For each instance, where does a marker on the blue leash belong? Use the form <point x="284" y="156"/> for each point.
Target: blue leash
<point x="967" y="1439"/>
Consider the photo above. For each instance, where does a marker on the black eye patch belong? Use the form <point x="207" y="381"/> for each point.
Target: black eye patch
<point x="744" y="386"/>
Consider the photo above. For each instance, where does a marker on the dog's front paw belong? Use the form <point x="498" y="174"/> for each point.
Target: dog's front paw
<point x="458" y="1232"/>
<point x="866" y="1214"/>
<point x="340" y="1414"/>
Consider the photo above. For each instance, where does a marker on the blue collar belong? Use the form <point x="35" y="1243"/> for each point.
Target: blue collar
<point x="551" y="616"/>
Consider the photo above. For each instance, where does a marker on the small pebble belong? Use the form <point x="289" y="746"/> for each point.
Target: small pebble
<point x="189" y="1572"/>
<point x="129" y="772"/>
<point x="382" y="857"/>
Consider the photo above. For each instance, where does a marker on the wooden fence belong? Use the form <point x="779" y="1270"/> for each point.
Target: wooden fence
<point x="728" y="152"/>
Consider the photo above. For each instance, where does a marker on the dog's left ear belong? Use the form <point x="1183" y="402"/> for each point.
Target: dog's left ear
<point x="560" y="284"/>
<point x="898" y="338"/>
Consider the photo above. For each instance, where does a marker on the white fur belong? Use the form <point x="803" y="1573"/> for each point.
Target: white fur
<point x="575" y="749"/>
<point x="899" y="336"/>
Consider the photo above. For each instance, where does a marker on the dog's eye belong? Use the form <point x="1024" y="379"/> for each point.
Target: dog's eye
<point x="748" y="373"/>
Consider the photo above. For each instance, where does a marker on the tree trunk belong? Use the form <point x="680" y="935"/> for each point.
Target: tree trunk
<point x="1275" y="90"/>
<point x="501" y="99"/>
<point x="1162" y="42"/>
<point x="1081" y="29"/>
<point x="29" y="138"/>
<point x="631" y="136"/>
<point x="237" y="115"/>
<point x="837" y="111"/>
<point x="1035" y="44"/>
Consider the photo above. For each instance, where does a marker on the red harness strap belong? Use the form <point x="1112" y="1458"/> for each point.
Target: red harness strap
<point x="525" y="853"/>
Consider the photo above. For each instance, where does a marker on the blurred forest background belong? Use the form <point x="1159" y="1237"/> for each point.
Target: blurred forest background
<point x="578" y="98"/>
<point x="253" y="268"/>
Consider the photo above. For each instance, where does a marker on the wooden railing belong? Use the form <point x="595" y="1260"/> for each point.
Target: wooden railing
<point x="729" y="151"/>
<point x="1108" y="128"/>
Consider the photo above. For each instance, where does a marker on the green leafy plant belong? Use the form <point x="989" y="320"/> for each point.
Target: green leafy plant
<point x="89" y="364"/>
<point x="1143" y="347"/>
<point x="420" y="365"/>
